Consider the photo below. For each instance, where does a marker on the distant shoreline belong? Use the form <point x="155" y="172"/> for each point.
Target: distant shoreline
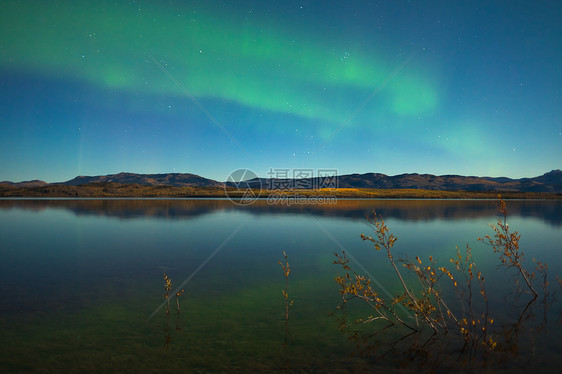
<point x="109" y="190"/>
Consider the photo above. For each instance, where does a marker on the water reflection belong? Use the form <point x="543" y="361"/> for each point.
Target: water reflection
<point x="519" y="342"/>
<point x="457" y="334"/>
<point x="78" y="279"/>
<point x="549" y="211"/>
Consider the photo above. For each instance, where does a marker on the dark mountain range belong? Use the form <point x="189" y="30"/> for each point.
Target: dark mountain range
<point x="171" y="179"/>
<point x="33" y="183"/>
<point x="548" y="182"/>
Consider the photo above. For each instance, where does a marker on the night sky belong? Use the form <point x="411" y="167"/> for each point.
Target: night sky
<point x="207" y="87"/>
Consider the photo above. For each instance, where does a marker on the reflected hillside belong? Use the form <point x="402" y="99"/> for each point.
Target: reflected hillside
<point x="409" y="210"/>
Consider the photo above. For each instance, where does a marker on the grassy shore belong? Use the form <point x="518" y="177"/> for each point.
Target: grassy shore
<point x="108" y="190"/>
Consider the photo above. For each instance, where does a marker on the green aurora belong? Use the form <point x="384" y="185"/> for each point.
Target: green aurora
<point x="208" y="87"/>
<point x="210" y="56"/>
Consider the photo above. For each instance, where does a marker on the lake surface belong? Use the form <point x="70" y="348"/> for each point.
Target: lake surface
<point x="82" y="285"/>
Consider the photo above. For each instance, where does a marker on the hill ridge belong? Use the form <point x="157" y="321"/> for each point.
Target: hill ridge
<point x="548" y="182"/>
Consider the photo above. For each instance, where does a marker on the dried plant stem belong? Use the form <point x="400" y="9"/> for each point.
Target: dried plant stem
<point x="386" y="241"/>
<point x="473" y="322"/>
<point x="506" y="243"/>
<point x="288" y="303"/>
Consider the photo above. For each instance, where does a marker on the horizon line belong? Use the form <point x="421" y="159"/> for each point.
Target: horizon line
<point x="337" y="175"/>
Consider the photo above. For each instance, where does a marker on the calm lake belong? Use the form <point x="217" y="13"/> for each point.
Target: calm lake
<point x="82" y="285"/>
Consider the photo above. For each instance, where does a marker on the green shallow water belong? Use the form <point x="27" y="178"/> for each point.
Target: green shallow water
<point x="81" y="278"/>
